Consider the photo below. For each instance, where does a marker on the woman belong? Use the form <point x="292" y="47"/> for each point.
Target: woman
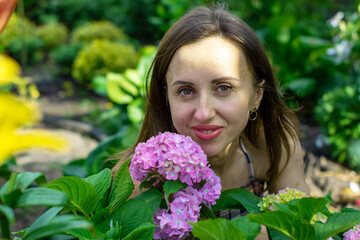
<point x="211" y="80"/>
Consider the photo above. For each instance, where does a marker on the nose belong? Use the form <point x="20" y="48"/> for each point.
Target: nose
<point x="204" y="109"/>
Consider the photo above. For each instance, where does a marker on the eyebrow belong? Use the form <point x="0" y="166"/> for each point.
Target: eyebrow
<point x="216" y="80"/>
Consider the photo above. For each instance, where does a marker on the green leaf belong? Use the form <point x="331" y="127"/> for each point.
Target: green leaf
<point x="132" y="76"/>
<point x="135" y="110"/>
<point x="206" y="212"/>
<point x="95" y="161"/>
<point x="101" y="182"/>
<point x="144" y="231"/>
<point x="148" y="181"/>
<point x="8" y="186"/>
<point x="6" y="211"/>
<point x="86" y="234"/>
<point x="40" y="196"/>
<point x="249" y="229"/>
<point x="308" y="207"/>
<point x="122" y="187"/>
<point x="59" y="224"/>
<point x="172" y="186"/>
<point x="288" y="224"/>
<point x="82" y="194"/>
<point x="45" y="218"/>
<point x="336" y="223"/>
<point x="152" y="198"/>
<point x="26" y="178"/>
<point x="113" y="233"/>
<point x="75" y="168"/>
<point x="275" y="235"/>
<point x="22" y="180"/>
<point x="99" y="83"/>
<point x="236" y="198"/>
<point x="216" y="229"/>
<point x="131" y="215"/>
<point x="119" y="89"/>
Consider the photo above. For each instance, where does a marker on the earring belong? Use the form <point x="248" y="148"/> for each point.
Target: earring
<point x="253" y="114"/>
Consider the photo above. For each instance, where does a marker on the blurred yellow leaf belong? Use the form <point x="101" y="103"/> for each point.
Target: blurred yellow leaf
<point x="15" y="114"/>
<point x="10" y="70"/>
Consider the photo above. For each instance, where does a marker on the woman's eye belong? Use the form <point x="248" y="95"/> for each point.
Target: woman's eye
<point x="224" y="88"/>
<point x="185" y="91"/>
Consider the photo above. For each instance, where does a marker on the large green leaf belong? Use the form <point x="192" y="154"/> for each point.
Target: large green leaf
<point x="249" y="229"/>
<point x="59" y="224"/>
<point x="40" y="196"/>
<point x="308" y="207"/>
<point x="216" y="229"/>
<point x="152" y="198"/>
<point x="336" y="223"/>
<point x="7" y="212"/>
<point x="288" y="224"/>
<point x="101" y="181"/>
<point x="131" y="215"/>
<point x="82" y="194"/>
<point x="144" y="231"/>
<point x="237" y="197"/>
<point x="122" y="187"/>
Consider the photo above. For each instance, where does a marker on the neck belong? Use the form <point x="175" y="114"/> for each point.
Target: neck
<point x="226" y="157"/>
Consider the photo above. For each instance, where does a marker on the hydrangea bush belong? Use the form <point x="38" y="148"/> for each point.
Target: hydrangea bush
<point x="173" y="157"/>
<point x="353" y="233"/>
<point x="283" y="196"/>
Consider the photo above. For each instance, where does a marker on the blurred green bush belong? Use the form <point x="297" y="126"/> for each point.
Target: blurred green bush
<point x="103" y="30"/>
<point x="102" y="56"/>
<point x="20" y="40"/>
<point x="52" y="34"/>
<point x="338" y="114"/>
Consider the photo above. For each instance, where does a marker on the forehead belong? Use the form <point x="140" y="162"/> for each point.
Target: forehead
<point x="212" y="55"/>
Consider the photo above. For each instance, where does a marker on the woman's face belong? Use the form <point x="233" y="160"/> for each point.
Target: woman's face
<point x="210" y="92"/>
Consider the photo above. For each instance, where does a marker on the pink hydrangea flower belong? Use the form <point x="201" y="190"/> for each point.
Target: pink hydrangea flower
<point x="353" y="233"/>
<point x="177" y="157"/>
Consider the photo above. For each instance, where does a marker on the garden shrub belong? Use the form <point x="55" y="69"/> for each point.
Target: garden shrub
<point x="16" y="27"/>
<point x="53" y="34"/>
<point x="338" y="114"/>
<point x="19" y="41"/>
<point x="102" y="56"/>
<point x="104" y="30"/>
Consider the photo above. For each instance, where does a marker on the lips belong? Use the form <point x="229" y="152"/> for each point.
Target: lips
<point x="207" y="132"/>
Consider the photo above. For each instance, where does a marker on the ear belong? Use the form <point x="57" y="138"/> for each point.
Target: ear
<point x="259" y="92"/>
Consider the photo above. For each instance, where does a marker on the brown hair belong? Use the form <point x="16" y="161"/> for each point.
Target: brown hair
<point x="199" y="23"/>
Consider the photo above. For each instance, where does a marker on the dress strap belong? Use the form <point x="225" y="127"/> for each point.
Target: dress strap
<point x="250" y="166"/>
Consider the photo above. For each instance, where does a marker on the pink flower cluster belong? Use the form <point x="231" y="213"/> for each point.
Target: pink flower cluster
<point x="177" y="157"/>
<point x="353" y="233"/>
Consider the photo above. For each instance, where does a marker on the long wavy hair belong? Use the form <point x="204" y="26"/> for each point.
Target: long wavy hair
<point x="279" y="122"/>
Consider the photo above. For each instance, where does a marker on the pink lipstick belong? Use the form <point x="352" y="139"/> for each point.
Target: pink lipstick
<point x="207" y="132"/>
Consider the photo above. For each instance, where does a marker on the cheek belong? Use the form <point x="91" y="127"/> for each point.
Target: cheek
<point x="179" y="115"/>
